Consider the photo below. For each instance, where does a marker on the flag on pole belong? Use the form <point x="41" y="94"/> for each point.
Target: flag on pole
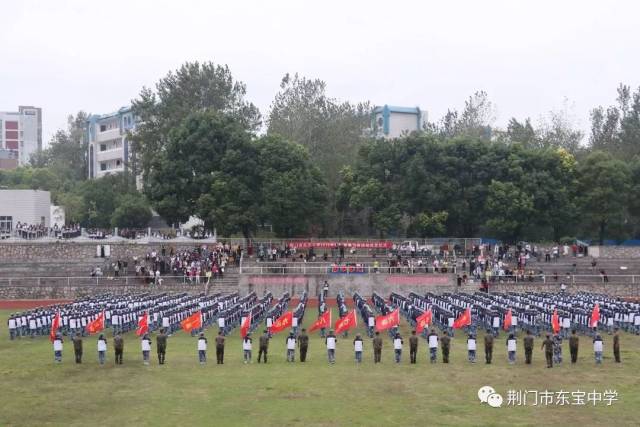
<point x="595" y="316"/>
<point x="507" y="320"/>
<point x="143" y="324"/>
<point x="555" y="321"/>
<point x="192" y="322"/>
<point x="324" y="321"/>
<point x="463" y="320"/>
<point x="283" y="322"/>
<point x="424" y="320"/>
<point x="347" y="322"/>
<point x="388" y="321"/>
<point x="55" y="325"/>
<point x="97" y="324"/>
<point x="246" y="324"/>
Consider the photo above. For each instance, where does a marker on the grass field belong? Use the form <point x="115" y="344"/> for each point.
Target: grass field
<point x="35" y="391"/>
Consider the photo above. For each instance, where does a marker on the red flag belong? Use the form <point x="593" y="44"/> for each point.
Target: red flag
<point x="388" y="321"/>
<point x="463" y="320"/>
<point x="423" y="321"/>
<point x="595" y="316"/>
<point x="97" y="324"/>
<point x="54" y="327"/>
<point x="555" y="322"/>
<point x="324" y="321"/>
<point x="347" y="322"/>
<point x="507" y="320"/>
<point x="143" y="324"/>
<point x="283" y="322"/>
<point x="192" y="322"/>
<point x="246" y="324"/>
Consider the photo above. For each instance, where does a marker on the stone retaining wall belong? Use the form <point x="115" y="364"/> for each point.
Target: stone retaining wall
<point x="35" y="251"/>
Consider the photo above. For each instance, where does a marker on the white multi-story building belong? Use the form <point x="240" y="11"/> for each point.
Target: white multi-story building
<point x="393" y="122"/>
<point x="109" y="145"/>
<point x="32" y="207"/>
<point x="20" y="136"/>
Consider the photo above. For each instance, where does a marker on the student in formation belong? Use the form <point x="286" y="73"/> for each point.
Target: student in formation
<point x="397" y="346"/>
<point x="574" y="343"/>
<point x="488" y="346"/>
<point x="161" y="346"/>
<point x="528" y="347"/>
<point x="331" y="346"/>
<point x="597" y="349"/>
<point x="118" y="347"/>
<point x="547" y="346"/>
<point x="413" y="347"/>
<point x="246" y="348"/>
<point x="145" y="343"/>
<point x="616" y="345"/>
<point x="264" y="345"/>
<point x="557" y="349"/>
<point x="202" y="348"/>
<point x="471" y="348"/>
<point x="445" y="343"/>
<point x="102" y="349"/>
<point x="77" y="347"/>
<point x="511" y="349"/>
<point x="377" y="348"/>
<point x="220" y="348"/>
<point x="303" y="343"/>
<point x="357" y="347"/>
<point x="57" y="348"/>
<point x="291" y="347"/>
<point x="432" y="338"/>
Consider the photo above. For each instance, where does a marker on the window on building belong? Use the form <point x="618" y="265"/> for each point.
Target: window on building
<point x="6" y="223"/>
<point x="103" y="128"/>
<point x="103" y="147"/>
<point x="42" y="221"/>
<point x="103" y="166"/>
<point x="118" y="162"/>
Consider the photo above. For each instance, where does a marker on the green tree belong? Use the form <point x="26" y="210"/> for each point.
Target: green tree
<point x="196" y="154"/>
<point x="603" y="186"/>
<point x="132" y="211"/>
<point x="294" y="192"/>
<point x="432" y="224"/>
<point x="194" y="87"/>
<point x="331" y="130"/>
<point x="509" y="210"/>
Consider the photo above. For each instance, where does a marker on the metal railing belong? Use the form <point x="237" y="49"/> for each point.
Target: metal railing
<point x="572" y="279"/>
<point x="319" y="268"/>
<point x="61" y="281"/>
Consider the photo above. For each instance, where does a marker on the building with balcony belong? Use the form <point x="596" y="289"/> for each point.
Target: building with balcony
<point x="20" y="136"/>
<point x="393" y="122"/>
<point x="109" y="145"/>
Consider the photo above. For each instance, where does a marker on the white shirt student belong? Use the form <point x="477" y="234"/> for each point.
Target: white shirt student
<point x="102" y="345"/>
<point x="202" y="344"/>
<point x="291" y="343"/>
<point x="511" y="345"/>
<point x="246" y="344"/>
<point x="357" y="345"/>
<point x="471" y="344"/>
<point x="597" y="346"/>
<point x="331" y="343"/>
<point x="397" y="343"/>
<point x="146" y="345"/>
<point x="57" y="344"/>
<point x="433" y="341"/>
<point x="221" y="322"/>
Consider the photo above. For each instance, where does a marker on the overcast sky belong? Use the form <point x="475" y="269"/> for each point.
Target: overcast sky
<point x="529" y="56"/>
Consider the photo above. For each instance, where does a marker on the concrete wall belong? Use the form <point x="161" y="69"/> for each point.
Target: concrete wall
<point x="54" y="291"/>
<point x="47" y="251"/>
<point x="28" y="206"/>
<point x="361" y="283"/>
<point x="614" y="252"/>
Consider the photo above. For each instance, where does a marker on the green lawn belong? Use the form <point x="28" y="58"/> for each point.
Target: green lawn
<point x="37" y="392"/>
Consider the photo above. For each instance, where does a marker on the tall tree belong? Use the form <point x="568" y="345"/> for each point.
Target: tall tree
<point x="603" y="185"/>
<point x="331" y="130"/>
<point x="194" y="87"/>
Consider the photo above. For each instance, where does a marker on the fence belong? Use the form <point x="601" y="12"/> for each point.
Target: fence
<point x="321" y="268"/>
<point x="71" y="281"/>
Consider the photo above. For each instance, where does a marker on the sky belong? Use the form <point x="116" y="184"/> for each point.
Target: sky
<point x="529" y="56"/>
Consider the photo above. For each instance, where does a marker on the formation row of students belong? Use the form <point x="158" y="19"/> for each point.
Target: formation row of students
<point x="526" y="311"/>
<point x="300" y="342"/>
